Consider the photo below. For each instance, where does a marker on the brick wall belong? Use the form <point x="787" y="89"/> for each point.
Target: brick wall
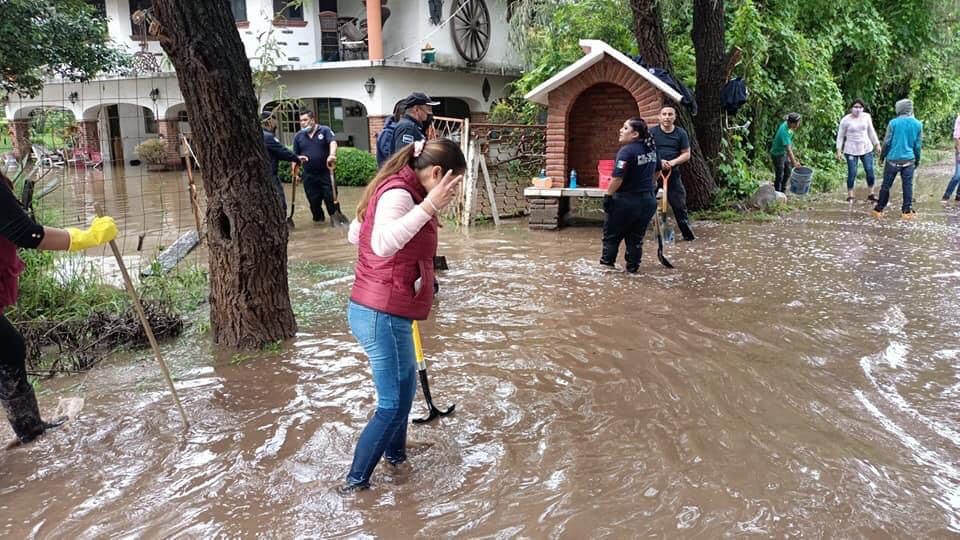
<point x="514" y="154"/>
<point x="592" y="132"/>
<point x="375" y="125"/>
<point x="606" y="75"/>
<point x="170" y="133"/>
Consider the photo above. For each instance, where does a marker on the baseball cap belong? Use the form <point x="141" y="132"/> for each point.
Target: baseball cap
<point x="265" y="114"/>
<point x="419" y="98"/>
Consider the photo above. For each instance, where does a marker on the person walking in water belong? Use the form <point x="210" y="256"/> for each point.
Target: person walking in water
<point x="319" y="144"/>
<point x="630" y="202"/>
<point x="856" y="142"/>
<point x="18" y="230"/>
<point x="673" y="145"/>
<point x="781" y="152"/>
<point x="277" y="152"/>
<point x="901" y="149"/>
<point x="955" y="181"/>
<point x="396" y="234"/>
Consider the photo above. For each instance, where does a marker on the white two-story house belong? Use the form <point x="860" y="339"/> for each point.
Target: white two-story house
<point x="327" y="54"/>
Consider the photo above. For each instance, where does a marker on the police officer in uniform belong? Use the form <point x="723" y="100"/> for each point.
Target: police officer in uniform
<point x="319" y="144"/>
<point x="673" y="144"/>
<point x="277" y="153"/>
<point x="412" y="127"/>
<point x="630" y="202"/>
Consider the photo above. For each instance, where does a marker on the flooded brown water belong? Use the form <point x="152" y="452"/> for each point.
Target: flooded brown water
<point x="793" y="378"/>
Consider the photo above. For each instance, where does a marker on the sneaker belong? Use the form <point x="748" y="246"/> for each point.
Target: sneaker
<point x="347" y="490"/>
<point x="877" y="213"/>
<point x="945" y="201"/>
<point x="872" y="198"/>
<point x="909" y="215"/>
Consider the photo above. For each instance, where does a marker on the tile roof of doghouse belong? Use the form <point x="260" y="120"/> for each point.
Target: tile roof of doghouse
<point x="595" y="51"/>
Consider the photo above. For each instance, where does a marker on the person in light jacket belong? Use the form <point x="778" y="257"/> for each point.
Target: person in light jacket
<point x="856" y="142"/>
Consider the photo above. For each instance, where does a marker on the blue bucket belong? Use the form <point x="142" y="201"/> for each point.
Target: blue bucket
<point x="800" y="179"/>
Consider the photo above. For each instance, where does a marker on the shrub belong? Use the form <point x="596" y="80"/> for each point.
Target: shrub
<point x="355" y="167"/>
<point x="151" y="151"/>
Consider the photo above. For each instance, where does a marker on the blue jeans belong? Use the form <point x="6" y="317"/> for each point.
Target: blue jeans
<point x="954" y="182"/>
<point x="890" y="171"/>
<point x="867" y="160"/>
<point x="388" y="342"/>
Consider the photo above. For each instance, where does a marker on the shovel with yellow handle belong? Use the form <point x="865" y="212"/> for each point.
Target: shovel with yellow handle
<point x="424" y="384"/>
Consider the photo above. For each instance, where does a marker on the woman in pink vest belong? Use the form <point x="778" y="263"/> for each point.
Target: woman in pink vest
<point x="18" y="230"/>
<point x="396" y="232"/>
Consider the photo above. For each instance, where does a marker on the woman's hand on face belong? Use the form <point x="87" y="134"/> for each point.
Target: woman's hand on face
<point x="445" y="190"/>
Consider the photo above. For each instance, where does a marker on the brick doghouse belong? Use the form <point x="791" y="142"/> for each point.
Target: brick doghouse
<point x="587" y="102"/>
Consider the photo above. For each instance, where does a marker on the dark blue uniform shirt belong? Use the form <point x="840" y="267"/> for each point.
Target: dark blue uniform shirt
<point x="407" y="131"/>
<point x="315" y="147"/>
<point x="277" y="151"/>
<point x="636" y="163"/>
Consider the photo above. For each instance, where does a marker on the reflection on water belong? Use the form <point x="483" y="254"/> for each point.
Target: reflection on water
<point x="791" y="378"/>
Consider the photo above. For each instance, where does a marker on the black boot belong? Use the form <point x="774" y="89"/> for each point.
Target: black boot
<point x="686" y="231"/>
<point x="24" y="415"/>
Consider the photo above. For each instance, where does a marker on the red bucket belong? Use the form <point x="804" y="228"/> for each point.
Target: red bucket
<point x="605" y="170"/>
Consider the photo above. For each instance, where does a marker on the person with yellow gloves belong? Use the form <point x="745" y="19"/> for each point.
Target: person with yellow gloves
<point x="17" y="229"/>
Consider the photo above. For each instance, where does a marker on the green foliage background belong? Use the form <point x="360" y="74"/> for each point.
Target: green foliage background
<point x="808" y="56"/>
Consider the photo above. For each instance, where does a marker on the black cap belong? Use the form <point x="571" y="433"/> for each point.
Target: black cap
<point x="419" y="98"/>
<point x="265" y="114"/>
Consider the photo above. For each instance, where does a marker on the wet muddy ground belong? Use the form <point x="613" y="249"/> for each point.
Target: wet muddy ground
<point x="798" y="377"/>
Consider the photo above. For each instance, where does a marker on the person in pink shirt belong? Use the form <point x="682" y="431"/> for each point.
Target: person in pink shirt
<point x="396" y="236"/>
<point x="856" y="141"/>
<point x="955" y="181"/>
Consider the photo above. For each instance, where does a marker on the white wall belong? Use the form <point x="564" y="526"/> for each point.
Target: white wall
<point x="132" y="131"/>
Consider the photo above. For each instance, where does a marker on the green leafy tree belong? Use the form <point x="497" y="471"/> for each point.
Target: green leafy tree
<point x="42" y="38"/>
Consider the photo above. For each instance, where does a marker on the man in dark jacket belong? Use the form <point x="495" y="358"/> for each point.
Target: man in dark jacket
<point x="277" y="153"/>
<point x="385" y="139"/>
<point x="417" y="108"/>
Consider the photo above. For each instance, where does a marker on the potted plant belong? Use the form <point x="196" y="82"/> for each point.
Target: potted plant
<point x="152" y="152"/>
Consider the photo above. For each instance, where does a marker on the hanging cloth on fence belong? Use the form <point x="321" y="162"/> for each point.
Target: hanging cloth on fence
<point x="688" y="100"/>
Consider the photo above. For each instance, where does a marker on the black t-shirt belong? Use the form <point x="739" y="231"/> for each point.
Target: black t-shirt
<point x="636" y="163"/>
<point x="670" y="145"/>
<point x="15" y="225"/>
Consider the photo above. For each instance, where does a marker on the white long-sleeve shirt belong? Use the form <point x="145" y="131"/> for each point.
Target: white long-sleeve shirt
<point x="856" y="135"/>
<point x="397" y="221"/>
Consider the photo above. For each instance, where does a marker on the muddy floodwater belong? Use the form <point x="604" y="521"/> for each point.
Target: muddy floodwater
<point x="792" y="378"/>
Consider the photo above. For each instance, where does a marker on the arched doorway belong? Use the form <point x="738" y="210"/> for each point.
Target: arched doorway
<point x="592" y="124"/>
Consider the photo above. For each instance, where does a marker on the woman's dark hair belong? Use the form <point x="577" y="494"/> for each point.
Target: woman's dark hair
<point x="793" y="118"/>
<point x="640" y="126"/>
<point x="4" y="180"/>
<point x="858" y="101"/>
<point x="439" y="152"/>
<point x="398" y="109"/>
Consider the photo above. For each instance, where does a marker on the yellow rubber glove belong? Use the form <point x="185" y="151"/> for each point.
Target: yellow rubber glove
<point x="101" y="231"/>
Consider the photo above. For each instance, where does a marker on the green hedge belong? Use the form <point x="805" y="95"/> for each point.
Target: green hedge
<point x="354" y="167"/>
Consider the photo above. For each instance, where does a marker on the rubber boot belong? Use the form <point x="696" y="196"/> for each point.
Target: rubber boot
<point x="686" y="231"/>
<point x="24" y="415"/>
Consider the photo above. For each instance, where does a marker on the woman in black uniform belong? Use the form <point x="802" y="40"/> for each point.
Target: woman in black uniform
<point x="18" y="230"/>
<point x="630" y="202"/>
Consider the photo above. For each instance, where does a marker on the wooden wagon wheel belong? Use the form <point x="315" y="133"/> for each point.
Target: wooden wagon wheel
<point x="470" y="28"/>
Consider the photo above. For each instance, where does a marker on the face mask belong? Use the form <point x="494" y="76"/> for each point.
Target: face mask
<point x="856" y="111"/>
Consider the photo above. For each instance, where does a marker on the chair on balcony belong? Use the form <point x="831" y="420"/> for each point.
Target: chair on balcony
<point x="356" y="29"/>
<point x="329" y="37"/>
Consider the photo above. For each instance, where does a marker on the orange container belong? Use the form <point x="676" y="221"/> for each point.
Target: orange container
<point x="605" y="170"/>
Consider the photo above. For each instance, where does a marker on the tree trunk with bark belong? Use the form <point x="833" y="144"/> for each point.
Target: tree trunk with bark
<point x="648" y="29"/>
<point x="710" y="48"/>
<point x="246" y="229"/>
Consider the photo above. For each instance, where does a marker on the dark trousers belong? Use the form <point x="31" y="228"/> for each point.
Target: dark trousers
<point x="16" y="395"/>
<point x="319" y="190"/>
<point x="278" y="185"/>
<point x="781" y="172"/>
<point x="890" y="170"/>
<point x="677" y="197"/>
<point x="627" y="219"/>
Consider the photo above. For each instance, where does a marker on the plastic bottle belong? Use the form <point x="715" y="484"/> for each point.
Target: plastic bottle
<point x="573" y="179"/>
<point x="543" y="173"/>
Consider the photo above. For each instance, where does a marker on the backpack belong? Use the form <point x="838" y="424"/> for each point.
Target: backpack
<point x="733" y="96"/>
<point x="385" y="142"/>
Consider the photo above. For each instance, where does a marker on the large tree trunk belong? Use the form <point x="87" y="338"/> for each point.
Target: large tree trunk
<point x="246" y="232"/>
<point x="648" y="29"/>
<point x="709" y="46"/>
